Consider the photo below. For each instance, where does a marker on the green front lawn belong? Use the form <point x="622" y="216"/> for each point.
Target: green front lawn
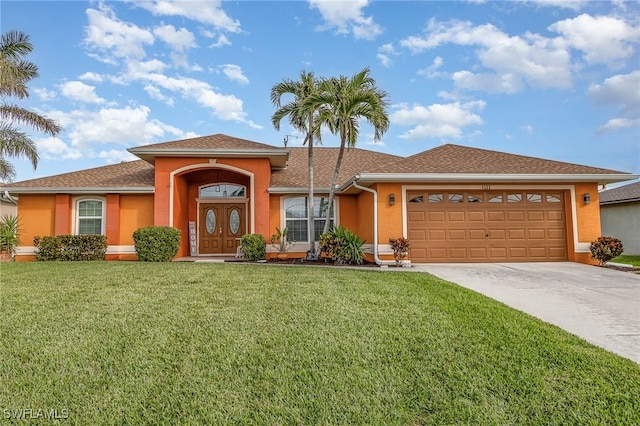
<point x="131" y="343"/>
<point x="629" y="260"/>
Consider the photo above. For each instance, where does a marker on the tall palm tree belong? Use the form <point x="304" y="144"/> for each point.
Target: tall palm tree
<point x="15" y="73"/>
<point x="341" y="102"/>
<point x="301" y="118"/>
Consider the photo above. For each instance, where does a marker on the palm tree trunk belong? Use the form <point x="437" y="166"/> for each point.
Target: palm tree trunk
<point x="334" y="182"/>
<point x="311" y="224"/>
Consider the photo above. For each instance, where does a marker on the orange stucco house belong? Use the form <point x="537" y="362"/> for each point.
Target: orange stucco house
<point x="454" y="203"/>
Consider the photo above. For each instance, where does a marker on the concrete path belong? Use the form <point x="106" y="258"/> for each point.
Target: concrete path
<point x="600" y="305"/>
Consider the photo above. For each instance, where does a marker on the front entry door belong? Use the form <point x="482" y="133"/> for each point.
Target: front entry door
<point x="221" y="226"/>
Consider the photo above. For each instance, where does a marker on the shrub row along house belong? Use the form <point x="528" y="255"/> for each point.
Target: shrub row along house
<point x="454" y="203"/>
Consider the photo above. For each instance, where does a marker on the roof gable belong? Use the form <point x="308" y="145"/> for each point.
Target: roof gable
<point x="217" y="141"/>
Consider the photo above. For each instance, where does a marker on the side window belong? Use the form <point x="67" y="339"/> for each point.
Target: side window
<point x="90" y="217"/>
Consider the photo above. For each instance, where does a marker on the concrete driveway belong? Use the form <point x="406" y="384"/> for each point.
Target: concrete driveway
<point x="600" y="305"/>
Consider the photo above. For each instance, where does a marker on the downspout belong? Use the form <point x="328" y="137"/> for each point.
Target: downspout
<point x="376" y="258"/>
<point x="10" y="198"/>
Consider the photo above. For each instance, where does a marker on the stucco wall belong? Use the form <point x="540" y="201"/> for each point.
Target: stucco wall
<point x="622" y="221"/>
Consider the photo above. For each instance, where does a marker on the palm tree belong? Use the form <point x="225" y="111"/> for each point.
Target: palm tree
<point x="15" y="73"/>
<point x="301" y="118"/>
<point x="341" y="102"/>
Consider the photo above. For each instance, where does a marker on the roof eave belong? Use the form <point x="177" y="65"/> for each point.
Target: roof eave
<point x="79" y="190"/>
<point x="371" y="178"/>
<point x="296" y="190"/>
<point x="277" y="157"/>
<point x="624" y="201"/>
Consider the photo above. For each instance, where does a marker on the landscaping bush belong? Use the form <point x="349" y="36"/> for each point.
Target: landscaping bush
<point x="606" y="248"/>
<point x="342" y="246"/>
<point x="71" y="247"/>
<point x="156" y="243"/>
<point x="400" y="247"/>
<point x="254" y="246"/>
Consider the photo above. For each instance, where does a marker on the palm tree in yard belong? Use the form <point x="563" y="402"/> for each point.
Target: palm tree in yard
<point x="302" y="118"/>
<point x="341" y="103"/>
<point x="15" y="73"/>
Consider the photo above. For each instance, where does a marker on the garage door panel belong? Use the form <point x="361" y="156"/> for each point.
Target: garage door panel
<point x="436" y="216"/>
<point x="478" y="216"/>
<point x="496" y="216"/>
<point x="455" y="216"/>
<point x="535" y="215"/>
<point x="528" y="228"/>
<point x="437" y="235"/>
<point x="516" y="234"/>
<point x="457" y="234"/>
<point x="536" y="234"/>
<point x="477" y="234"/>
<point x="515" y="216"/>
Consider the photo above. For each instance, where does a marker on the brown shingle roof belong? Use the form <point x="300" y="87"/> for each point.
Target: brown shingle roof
<point x="131" y="174"/>
<point x="218" y="141"/>
<point x="621" y="194"/>
<point x="451" y="158"/>
<point x="354" y="161"/>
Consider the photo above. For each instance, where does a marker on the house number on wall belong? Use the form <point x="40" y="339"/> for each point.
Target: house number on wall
<point x="486" y="187"/>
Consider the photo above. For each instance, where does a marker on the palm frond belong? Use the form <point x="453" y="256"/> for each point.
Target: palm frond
<point x="14" y="143"/>
<point x="29" y="118"/>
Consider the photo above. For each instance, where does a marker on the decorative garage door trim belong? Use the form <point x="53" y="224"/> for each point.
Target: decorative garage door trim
<point x="577" y="246"/>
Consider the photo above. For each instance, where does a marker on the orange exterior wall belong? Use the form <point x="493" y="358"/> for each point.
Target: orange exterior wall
<point x="588" y="216"/>
<point x="37" y="218"/>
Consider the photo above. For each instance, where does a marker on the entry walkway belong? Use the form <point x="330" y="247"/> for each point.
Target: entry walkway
<point x="598" y="304"/>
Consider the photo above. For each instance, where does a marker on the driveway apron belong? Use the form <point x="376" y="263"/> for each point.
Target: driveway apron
<point x="599" y="305"/>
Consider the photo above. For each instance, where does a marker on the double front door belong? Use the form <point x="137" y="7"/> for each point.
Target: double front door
<point x="220" y="227"/>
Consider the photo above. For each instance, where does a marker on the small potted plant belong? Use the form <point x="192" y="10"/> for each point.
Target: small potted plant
<point x="400" y="247"/>
<point x="281" y="242"/>
<point x="9" y="238"/>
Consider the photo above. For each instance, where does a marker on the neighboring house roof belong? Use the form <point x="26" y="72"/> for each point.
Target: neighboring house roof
<point x="446" y="163"/>
<point x="621" y="194"/>
<point x="218" y="145"/>
<point x="131" y="176"/>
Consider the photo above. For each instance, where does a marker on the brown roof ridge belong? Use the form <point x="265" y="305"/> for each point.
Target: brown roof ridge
<point x="215" y="141"/>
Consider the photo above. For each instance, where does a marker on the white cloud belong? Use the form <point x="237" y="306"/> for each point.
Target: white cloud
<point x="209" y="12"/>
<point x="44" y="94"/>
<point x="385" y="53"/>
<point x="156" y="94"/>
<point x="432" y="70"/>
<point x="108" y="34"/>
<point x="622" y="91"/>
<point x="347" y="17"/>
<point x="222" y="41"/>
<point x="53" y="148"/>
<point x="528" y="128"/>
<point x="618" y="124"/>
<point x="563" y="4"/>
<point x="92" y="76"/>
<point x="179" y="40"/>
<point x="603" y="39"/>
<point x="126" y="126"/>
<point x="437" y="120"/>
<point x="78" y="91"/>
<point x="536" y="60"/>
<point x="234" y="73"/>
<point x="113" y="156"/>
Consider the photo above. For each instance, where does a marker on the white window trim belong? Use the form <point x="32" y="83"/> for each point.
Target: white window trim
<point x="76" y="216"/>
<point x="283" y="213"/>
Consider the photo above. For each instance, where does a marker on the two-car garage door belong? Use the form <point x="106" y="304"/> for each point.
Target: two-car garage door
<point x="486" y="226"/>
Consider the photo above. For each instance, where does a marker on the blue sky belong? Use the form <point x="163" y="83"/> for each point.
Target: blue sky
<point x="553" y="79"/>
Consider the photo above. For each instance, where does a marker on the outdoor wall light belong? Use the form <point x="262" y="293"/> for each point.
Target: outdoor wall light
<point x="392" y="199"/>
<point x="586" y="198"/>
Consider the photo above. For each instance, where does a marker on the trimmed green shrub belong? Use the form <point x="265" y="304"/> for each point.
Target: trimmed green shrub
<point x="254" y="246"/>
<point x="606" y="248"/>
<point x="71" y="247"/>
<point x="156" y="243"/>
<point x="342" y="246"/>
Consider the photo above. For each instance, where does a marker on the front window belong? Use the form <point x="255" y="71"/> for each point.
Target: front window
<point x="297" y="218"/>
<point x="90" y="217"/>
<point x="223" y="190"/>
